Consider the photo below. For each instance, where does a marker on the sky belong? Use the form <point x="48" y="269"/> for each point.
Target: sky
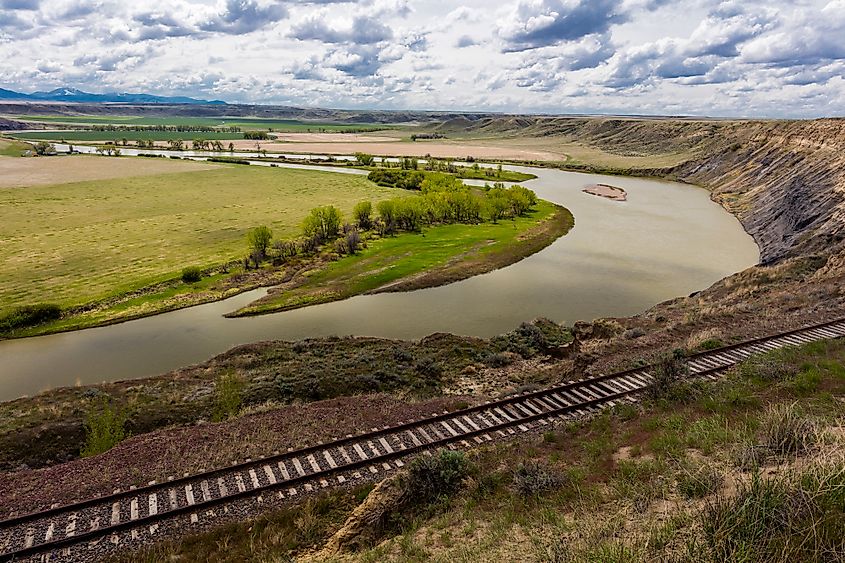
<point x="729" y="58"/>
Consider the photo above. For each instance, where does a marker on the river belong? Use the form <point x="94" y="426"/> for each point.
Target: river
<point x="666" y="241"/>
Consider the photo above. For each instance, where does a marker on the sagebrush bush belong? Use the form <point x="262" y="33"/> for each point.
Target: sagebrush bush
<point x="191" y="274"/>
<point x="766" y="367"/>
<point x="668" y="373"/>
<point x="29" y="315"/>
<point x="531" y="479"/>
<point x="432" y="478"/>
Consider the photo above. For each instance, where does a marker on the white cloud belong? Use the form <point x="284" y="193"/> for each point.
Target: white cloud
<point x="708" y="57"/>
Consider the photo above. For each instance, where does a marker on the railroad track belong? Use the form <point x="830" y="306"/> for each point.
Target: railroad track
<point x="83" y="529"/>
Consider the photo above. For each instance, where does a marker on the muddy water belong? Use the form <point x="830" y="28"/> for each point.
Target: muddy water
<point x="667" y="240"/>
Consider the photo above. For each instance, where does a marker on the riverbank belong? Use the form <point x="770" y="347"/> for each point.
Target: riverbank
<point x="436" y="256"/>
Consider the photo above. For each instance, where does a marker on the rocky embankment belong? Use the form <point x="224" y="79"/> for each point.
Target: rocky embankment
<point x="784" y="180"/>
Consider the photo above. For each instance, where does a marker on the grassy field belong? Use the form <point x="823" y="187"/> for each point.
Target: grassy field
<point x="94" y="136"/>
<point x="471" y="249"/>
<point x="12" y="148"/>
<point x="74" y="243"/>
<point x="281" y="125"/>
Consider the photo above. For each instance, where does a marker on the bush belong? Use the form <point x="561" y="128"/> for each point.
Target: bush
<point x="433" y="478"/>
<point x="104" y="428"/>
<point x="766" y="367"/>
<point x="191" y="274"/>
<point x="668" y="373"/>
<point x="29" y="315"/>
<point x="531" y="479"/>
<point x="791" y="518"/>
<point x="364" y="159"/>
<point x="362" y="215"/>
<point x="228" y="396"/>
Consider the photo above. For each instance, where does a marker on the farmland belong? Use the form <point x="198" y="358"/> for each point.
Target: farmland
<point x="117" y="136"/>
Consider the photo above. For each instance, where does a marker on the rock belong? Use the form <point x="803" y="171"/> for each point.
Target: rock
<point x="382" y="500"/>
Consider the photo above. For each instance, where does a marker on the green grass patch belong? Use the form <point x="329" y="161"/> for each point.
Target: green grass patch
<point x="13" y="148"/>
<point x="118" y="136"/>
<point x="85" y="241"/>
<point x="396" y="258"/>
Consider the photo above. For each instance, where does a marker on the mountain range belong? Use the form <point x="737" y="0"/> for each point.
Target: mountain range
<point x="75" y="95"/>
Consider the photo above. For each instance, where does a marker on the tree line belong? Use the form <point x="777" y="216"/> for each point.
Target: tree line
<point x="442" y="200"/>
<point x="166" y="128"/>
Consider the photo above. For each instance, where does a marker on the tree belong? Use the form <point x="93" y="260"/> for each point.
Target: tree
<point x="364" y="159"/>
<point x="323" y="223"/>
<point x="362" y="214"/>
<point x="231" y="147"/>
<point x="43" y="148"/>
<point x="259" y="240"/>
<point x="387" y="212"/>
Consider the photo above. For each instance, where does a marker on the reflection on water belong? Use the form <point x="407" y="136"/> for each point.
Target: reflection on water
<point x="667" y="240"/>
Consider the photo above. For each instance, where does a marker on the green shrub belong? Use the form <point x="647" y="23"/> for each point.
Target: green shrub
<point x="362" y="214"/>
<point x="766" y="367"/>
<point x="228" y="396"/>
<point x="433" y="478"/>
<point x="191" y="274"/>
<point x="29" y="315"/>
<point x="104" y="428"/>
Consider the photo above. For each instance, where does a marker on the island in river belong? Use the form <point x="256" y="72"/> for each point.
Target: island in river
<point x="605" y="190"/>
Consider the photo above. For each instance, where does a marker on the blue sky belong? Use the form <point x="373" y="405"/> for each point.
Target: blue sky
<point x="692" y="57"/>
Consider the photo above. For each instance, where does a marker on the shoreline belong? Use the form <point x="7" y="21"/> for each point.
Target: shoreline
<point x="463" y="266"/>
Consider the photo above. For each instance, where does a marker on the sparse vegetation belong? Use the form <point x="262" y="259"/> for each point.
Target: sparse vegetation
<point x="104" y="427"/>
<point x="228" y="396"/>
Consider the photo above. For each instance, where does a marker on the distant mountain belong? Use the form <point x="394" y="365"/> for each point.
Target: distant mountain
<point x="75" y="95"/>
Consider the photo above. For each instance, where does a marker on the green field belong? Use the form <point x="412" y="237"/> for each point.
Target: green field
<point x="12" y="148"/>
<point x="480" y="248"/>
<point x="286" y="125"/>
<point x="75" y="243"/>
<point x="117" y="136"/>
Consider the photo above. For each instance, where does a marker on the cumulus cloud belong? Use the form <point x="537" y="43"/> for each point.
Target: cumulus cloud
<point x="726" y="57"/>
<point x="244" y="16"/>
<point x="364" y="30"/>
<point x="538" y="23"/>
